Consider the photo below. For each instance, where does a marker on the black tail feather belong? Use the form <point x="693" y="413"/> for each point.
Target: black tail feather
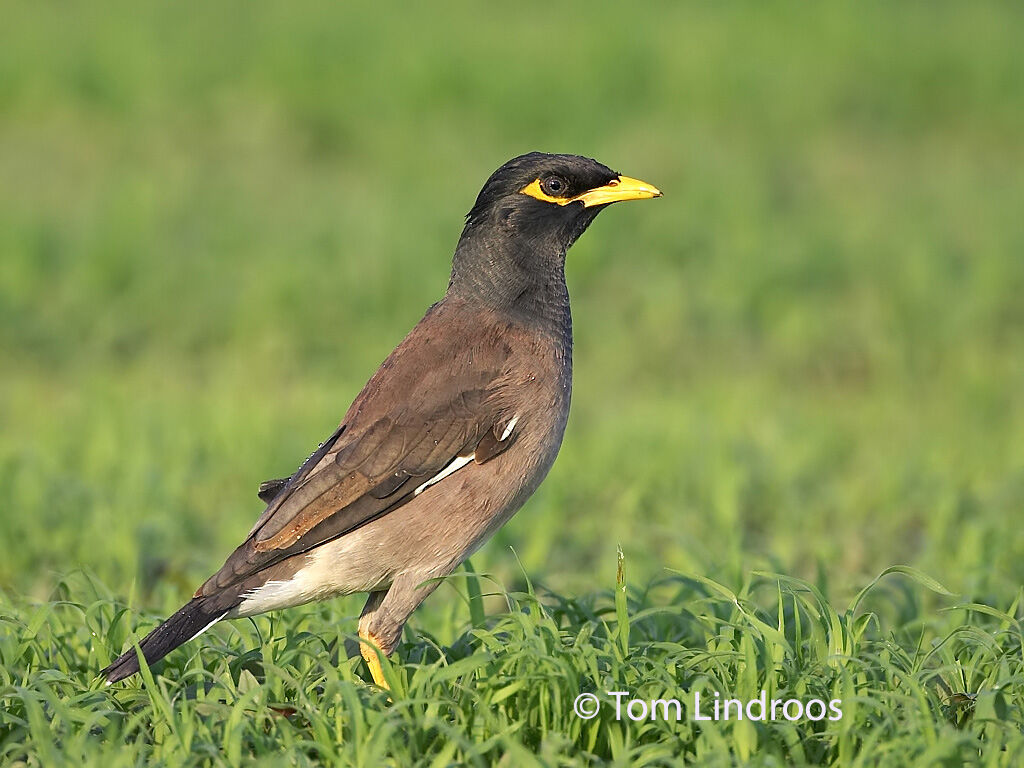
<point x="194" y="617"/>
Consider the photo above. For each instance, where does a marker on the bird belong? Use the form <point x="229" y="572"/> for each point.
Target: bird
<point x="447" y="440"/>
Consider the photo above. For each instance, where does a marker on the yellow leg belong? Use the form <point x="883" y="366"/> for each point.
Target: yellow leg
<point x="372" y="654"/>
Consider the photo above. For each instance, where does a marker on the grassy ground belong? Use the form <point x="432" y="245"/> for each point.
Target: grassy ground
<point x="806" y="359"/>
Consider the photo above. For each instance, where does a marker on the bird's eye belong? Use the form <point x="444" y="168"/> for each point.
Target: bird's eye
<point x="554" y="186"/>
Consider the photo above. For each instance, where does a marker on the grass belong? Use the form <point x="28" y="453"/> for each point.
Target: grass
<point x="912" y="690"/>
<point x="805" y="360"/>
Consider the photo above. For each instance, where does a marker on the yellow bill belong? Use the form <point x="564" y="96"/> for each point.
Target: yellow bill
<point x="617" y="190"/>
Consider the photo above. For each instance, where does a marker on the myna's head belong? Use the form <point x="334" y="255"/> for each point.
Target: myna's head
<point x="541" y="195"/>
<point x="532" y="209"/>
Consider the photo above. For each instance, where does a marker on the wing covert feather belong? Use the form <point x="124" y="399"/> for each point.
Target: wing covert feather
<point x="409" y="422"/>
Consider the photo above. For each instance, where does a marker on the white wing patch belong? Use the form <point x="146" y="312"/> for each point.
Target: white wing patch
<point x="460" y="461"/>
<point x="508" y="428"/>
<point x="457" y="463"/>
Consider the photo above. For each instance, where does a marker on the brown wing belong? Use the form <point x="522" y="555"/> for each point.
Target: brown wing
<point x="427" y="405"/>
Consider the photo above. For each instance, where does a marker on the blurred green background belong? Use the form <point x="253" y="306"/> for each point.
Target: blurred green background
<point x="217" y="219"/>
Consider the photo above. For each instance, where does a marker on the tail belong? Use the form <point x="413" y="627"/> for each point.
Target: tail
<point x="194" y="618"/>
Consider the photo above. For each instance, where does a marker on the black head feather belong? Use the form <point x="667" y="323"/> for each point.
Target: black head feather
<point x="512" y="250"/>
<point x="505" y="184"/>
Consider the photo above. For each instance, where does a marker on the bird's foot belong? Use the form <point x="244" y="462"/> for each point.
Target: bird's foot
<point x="374" y="657"/>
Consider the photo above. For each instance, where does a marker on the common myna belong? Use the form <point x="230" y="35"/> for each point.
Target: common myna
<point x="446" y="441"/>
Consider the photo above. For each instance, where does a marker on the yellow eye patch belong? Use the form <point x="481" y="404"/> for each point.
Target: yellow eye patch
<point x="533" y="189"/>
